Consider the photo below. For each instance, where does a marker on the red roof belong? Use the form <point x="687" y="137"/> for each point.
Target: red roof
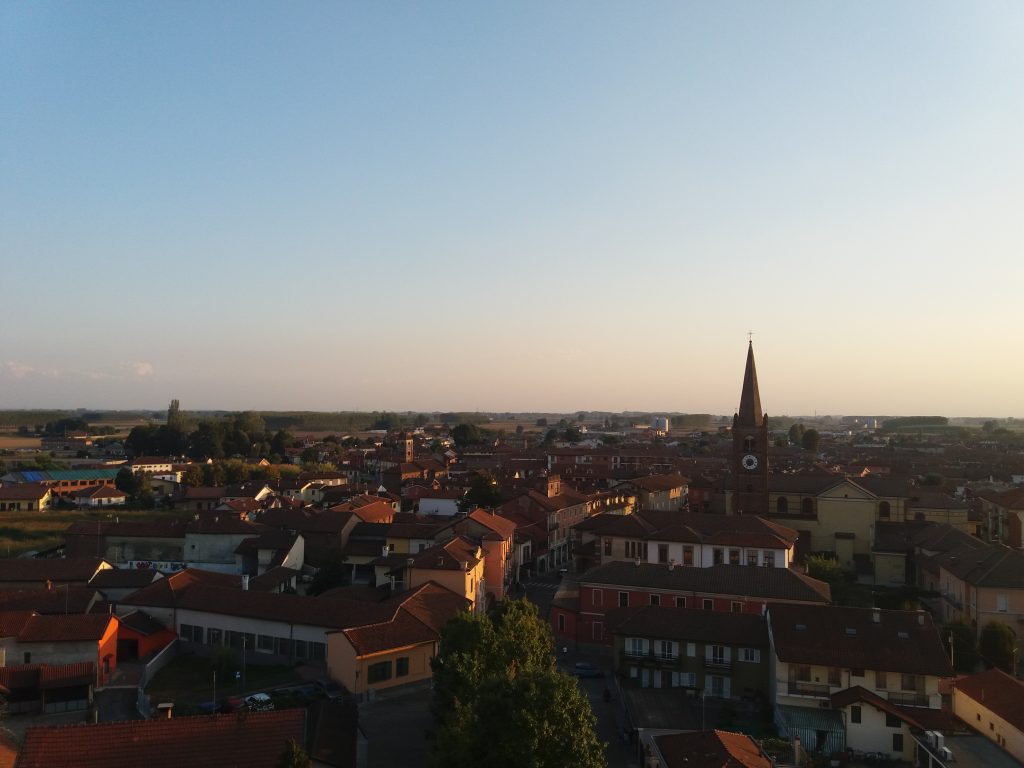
<point x="997" y="691"/>
<point x="243" y="739"/>
<point x="23" y="492"/>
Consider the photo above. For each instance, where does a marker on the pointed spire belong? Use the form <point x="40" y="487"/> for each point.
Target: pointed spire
<point x="750" y="398"/>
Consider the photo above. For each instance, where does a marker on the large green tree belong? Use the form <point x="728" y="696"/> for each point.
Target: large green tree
<point x="996" y="645"/>
<point x="497" y="692"/>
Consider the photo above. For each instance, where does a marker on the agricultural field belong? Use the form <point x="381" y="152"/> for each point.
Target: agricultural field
<point x="12" y="442"/>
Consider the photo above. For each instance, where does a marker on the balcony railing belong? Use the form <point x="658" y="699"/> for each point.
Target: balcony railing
<point x="718" y="665"/>
<point x="908" y="699"/>
<point x="657" y="659"/>
<point x="800" y="688"/>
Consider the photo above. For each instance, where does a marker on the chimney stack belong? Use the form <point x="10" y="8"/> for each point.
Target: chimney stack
<point x="245" y="582"/>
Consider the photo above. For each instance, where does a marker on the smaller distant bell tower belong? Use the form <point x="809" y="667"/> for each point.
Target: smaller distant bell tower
<point x="749" y="448"/>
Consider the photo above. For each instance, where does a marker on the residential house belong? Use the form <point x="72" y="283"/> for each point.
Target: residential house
<point x="659" y="492"/>
<point x="554" y="512"/>
<point x="457" y="565"/>
<point x="116" y="583"/>
<point x="32" y="638"/>
<point x="100" y="496"/>
<point x="395" y="643"/>
<point x="992" y="703"/>
<point x="270" y="549"/>
<point x="196" y="498"/>
<point x="724" y="655"/>
<point x="25" y="497"/>
<point x="689" y="539"/>
<point x="62" y="482"/>
<point x="978" y="582"/>
<point x="1003" y="516"/>
<point x="728" y="588"/>
<point x="858" y="678"/>
<point x="140" y="636"/>
<point x="440" y="502"/>
<point x="495" y="536"/>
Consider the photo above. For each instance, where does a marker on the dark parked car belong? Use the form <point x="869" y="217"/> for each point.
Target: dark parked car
<point x="586" y="669"/>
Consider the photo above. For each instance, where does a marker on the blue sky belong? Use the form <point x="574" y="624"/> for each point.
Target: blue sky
<point x="517" y="206"/>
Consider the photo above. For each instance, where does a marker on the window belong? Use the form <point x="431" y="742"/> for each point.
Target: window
<point x="636" y="646"/>
<point x="680" y="602"/>
<point x="892" y="721"/>
<point x="768" y="559"/>
<point x="28" y="657"/>
<point x="883" y="510"/>
<point x="561" y="622"/>
<point x="623" y="599"/>
<point x="597" y="631"/>
<point x="265" y="643"/>
<point x="401" y="666"/>
<point x="718" y="556"/>
<point x="214" y="637"/>
<point x="835" y="676"/>
<point x="751" y="557"/>
<point x="807" y="507"/>
<point x="709" y="605"/>
<point x="663" y="553"/>
<point x="881" y="683"/>
<point x="897" y="742"/>
<point x="801" y="672"/>
<point x="300" y="650"/>
<point x="752" y="655"/>
<point x="856" y="672"/>
<point x="734" y="557"/>
<point x="911" y="683"/>
<point x="687" y="555"/>
<point x="655" y="599"/>
<point x="379" y="672"/>
<point x="736" y="606"/>
<point x="317" y="651"/>
<point x="716" y="654"/>
<point x="855" y="713"/>
<point x="598" y="596"/>
<point x="1001" y="604"/>
<point x="782" y="505"/>
<point x="691" y="649"/>
<point x="668" y="649"/>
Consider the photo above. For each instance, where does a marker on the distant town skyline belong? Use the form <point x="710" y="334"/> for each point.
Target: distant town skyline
<point x="527" y="207"/>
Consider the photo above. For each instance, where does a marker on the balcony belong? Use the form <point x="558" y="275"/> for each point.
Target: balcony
<point x="717" y="665"/>
<point x="908" y="699"/>
<point x="801" y="688"/>
<point x="649" y="659"/>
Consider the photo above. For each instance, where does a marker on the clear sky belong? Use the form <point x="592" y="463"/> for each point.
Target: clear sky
<point x="513" y="206"/>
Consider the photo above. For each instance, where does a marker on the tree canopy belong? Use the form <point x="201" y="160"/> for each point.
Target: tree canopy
<point x="497" y="692"/>
<point x="995" y="645"/>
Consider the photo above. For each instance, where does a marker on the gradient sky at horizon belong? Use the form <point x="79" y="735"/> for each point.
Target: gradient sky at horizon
<point x="512" y="207"/>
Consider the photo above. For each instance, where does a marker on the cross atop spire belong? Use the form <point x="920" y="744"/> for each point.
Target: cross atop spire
<point x="750" y="413"/>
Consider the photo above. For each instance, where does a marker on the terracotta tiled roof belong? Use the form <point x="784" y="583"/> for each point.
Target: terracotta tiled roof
<point x="693" y="527"/>
<point x="900" y="641"/>
<point x="64" y="599"/>
<point x="412" y="618"/>
<point x="142" y="623"/>
<point x="500" y="525"/>
<point x="47" y="675"/>
<point x="656" y="483"/>
<point x="61" y="628"/>
<point x="23" y="492"/>
<point x="711" y="749"/>
<point x="61" y="570"/>
<point x="203" y="493"/>
<point x="121" y="578"/>
<point x="307" y="520"/>
<point x="273" y="577"/>
<point x="734" y="580"/>
<point x="165" y="592"/>
<point x="243" y="739"/>
<point x="149" y="529"/>
<point x="997" y="691"/>
<point x="457" y="554"/>
<point x="669" y="623"/>
<point x="917" y="717"/>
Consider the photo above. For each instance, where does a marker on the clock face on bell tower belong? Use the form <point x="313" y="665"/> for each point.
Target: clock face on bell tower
<point x="749" y="448"/>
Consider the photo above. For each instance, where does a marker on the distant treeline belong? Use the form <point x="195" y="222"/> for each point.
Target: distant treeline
<point x="341" y="421"/>
<point x="914" y="422"/>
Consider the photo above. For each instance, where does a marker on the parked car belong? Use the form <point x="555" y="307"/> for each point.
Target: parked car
<point x="330" y="689"/>
<point x="586" y="669"/>
<point x="259" y="702"/>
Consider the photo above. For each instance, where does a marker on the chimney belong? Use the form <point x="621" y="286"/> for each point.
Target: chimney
<point x="165" y="708"/>
<point x="876" y="617"/>
<point x="245" y="582"/>
<point x="637" y="562"/>
<point x="920" y="618"/>
<point x="49" y="586"/>
<point x="385" y="551"/>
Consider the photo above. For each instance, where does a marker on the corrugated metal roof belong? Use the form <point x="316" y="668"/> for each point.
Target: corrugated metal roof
<point x="808" y="723"/>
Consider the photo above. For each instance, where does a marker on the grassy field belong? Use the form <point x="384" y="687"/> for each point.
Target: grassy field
<point x="10" y="442"/>
<point x="24" y="531"/>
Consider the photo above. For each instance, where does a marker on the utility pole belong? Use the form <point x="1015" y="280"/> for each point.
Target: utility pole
<point x="951" y="662"/>
<point x="215" y="690"/>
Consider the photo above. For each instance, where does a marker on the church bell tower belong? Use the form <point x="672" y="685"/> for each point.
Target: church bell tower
<point x="750" y="448"/>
